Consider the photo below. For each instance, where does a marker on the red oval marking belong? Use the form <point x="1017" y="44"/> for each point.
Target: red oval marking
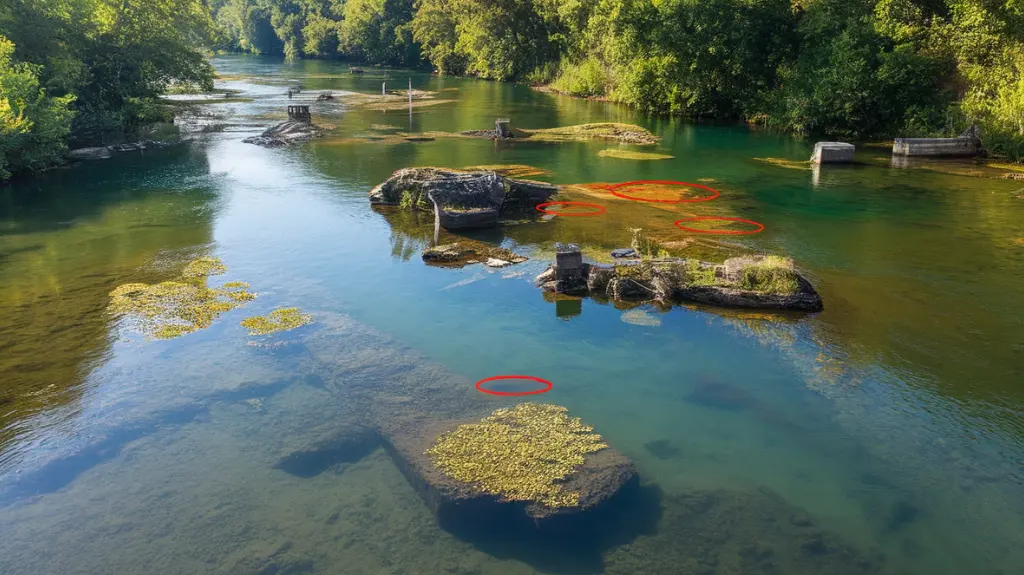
<point x="600" y="208"/>
<point x="547" y="384"/>
<point x="760" y="226"/>
<point x="613" y="189"/>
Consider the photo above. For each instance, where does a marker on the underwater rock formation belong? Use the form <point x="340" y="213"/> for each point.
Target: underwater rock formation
<point x="763" y="282"/>
<point x="460" y="199"/>
<point x="733" y="532"/>
<point x="285" y="134"/>
<point x="424" y="414"/>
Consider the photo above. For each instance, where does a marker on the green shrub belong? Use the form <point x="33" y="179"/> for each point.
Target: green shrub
<point x="771" y="274"/>
<point x="585" y="79"/>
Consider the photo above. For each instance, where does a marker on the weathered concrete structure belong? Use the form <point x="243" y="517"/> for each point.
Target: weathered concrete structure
<point x="299" y="114"/>
<point x="961" y="146"/>
<point x="833" y="153"/>
<point x="501" y="128"/>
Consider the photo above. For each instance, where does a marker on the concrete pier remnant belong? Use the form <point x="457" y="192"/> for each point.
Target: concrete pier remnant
<point x="833" y="153"/>
<point x="570" y="271"/>
<point x="960" y="146"/>
<point x="501" y="129"/>
<point x="299" y="113"/>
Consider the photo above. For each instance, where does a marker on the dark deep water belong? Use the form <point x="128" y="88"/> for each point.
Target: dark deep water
<point x="883" y="435"/>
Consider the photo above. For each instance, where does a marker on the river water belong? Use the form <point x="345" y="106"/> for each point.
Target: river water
<point x="882" y="435"/>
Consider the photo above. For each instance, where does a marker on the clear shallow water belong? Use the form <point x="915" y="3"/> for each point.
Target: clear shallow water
<point x="892" y="420"/>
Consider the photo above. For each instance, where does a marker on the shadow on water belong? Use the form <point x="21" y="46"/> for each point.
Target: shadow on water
<point x="60" y="472"/>
<point x="574" y="545"/>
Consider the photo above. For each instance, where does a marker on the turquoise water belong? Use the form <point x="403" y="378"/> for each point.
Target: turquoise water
<point x="888" y="426"/>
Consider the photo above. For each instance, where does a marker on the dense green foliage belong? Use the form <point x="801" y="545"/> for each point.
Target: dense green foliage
<point x="851" y="68"/>
<point x="93" y="64"/>
<point x="33" y="126"/>
<point x="374" y="31"/>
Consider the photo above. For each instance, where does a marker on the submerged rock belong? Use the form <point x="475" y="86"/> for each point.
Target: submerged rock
<point x="460" y="199"/>
<point x="98" y="153"/>
<point x="285" y="133"/>
<point x="436" y="426"/>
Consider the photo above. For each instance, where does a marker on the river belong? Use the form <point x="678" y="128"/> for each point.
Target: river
<point x="890" y="425"/>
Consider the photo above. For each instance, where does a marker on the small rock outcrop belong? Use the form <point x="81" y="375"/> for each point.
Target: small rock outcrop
<point x="465" y="252"/>
<point x="285" y="133"/>
<point x="106" y="152"/>
<point x="758" y="282"/>
<point x="460" y="199"/>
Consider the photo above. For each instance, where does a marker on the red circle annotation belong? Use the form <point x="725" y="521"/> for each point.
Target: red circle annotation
<point x="547" y="385"/>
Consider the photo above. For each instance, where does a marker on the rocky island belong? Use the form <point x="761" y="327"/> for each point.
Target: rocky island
<point x="762" y="282"/>
<point x="460" y="199"/>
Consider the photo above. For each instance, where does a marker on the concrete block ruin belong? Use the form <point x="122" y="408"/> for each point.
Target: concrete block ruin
<point x="501" y="128"/>
<point x="833" y="153"/>
<point x="936" y="147"/>
<point x="299" y="114"/>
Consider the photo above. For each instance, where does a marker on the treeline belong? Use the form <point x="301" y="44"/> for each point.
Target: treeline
<point x="86" y="72"/>
<point x="848" y="68"/>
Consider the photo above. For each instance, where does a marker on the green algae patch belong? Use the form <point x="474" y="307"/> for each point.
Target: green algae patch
<point x="523" y="453"/>
<point x="784" y="163"/>
<point x="625" y="133"/>
<point x="632" y="155"/>
<point x="174" y="308"/>
<point x="510" y="170"/>
<point x="204" y="267"/>
<point x="279" y="320"/>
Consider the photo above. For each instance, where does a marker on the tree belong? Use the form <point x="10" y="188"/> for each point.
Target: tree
<point x="33" y="126"/>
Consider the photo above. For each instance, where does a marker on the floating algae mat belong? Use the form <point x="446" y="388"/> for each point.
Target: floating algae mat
<point x="627" y="133"/>
<point x="511" y="170"/>
<point x="203" y="267"/>
<point x="632" y="155"/>
<point x="784" y="163"/>
<point x="174" y="308"/>
<point x="276" y="321"/>
<point x="519" y="454"/>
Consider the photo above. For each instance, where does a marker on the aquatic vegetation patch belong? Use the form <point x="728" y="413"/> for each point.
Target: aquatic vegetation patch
<point x="625" y="133"/>
<point x="203" y="267"/>
<point x="523" y="453"/>
<point x="174" y="308"/>
<point x="645" y="245"/>
<point x="511" y="170"/>
<point x="784" y="163"/>
<point x="276" y="321"/>
<point x="632" y="155"/>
